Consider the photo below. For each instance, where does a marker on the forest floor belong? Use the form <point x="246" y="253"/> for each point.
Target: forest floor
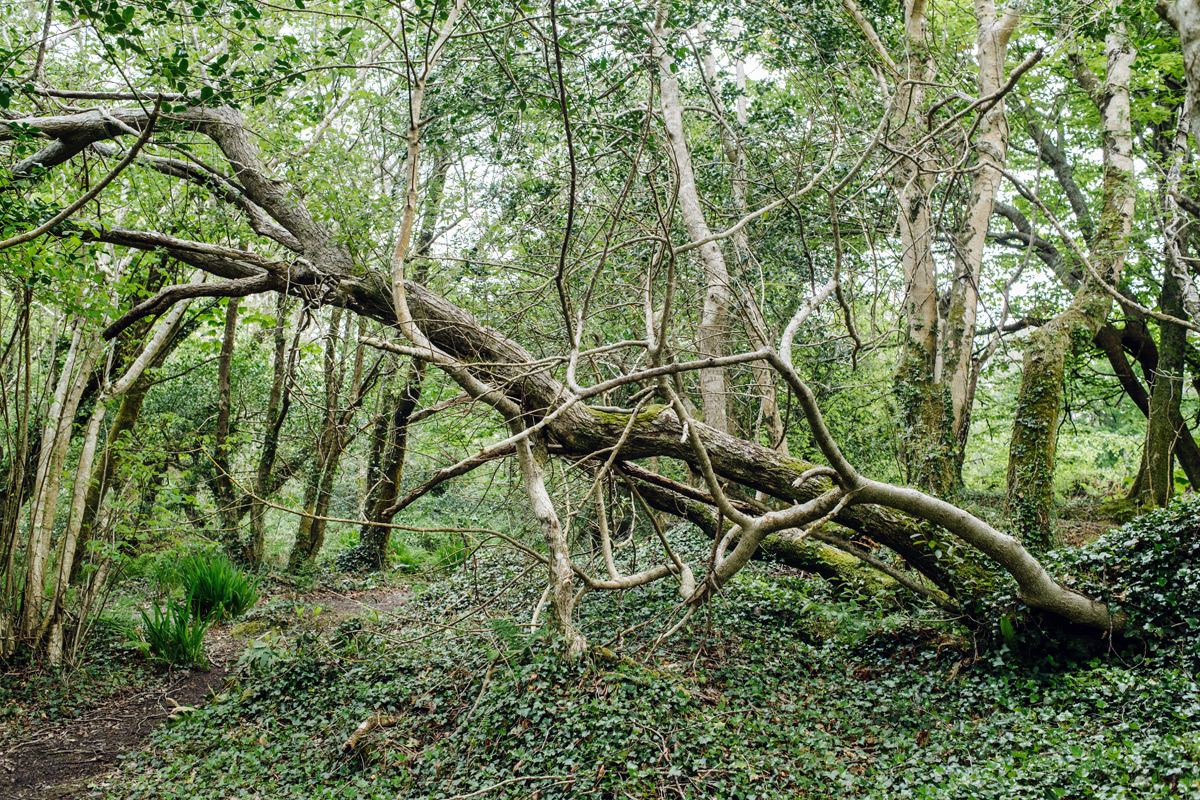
<point x="99" y="717"/>
<point x="55" y="758"/>
<point x="789" y="687"/>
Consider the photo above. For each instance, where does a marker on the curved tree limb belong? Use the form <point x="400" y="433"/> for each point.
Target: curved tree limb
<point x="89" y="195"/>
<point x="239" y="287"/>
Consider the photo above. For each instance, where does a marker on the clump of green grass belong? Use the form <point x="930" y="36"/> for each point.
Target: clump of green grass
<point x="174" y="635"/>
<point x="407" y="556"/>
<point x="449" y="555"/>
<point x="215" y="587"/>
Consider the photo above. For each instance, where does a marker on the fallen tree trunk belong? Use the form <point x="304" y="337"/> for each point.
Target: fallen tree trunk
<point x="935" y="538"/>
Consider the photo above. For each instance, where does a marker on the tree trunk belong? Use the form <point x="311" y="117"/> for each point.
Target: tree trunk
<point x="128" y="412"/>
<point x="227" y="496"/>
<point x="1185" y="16"/>
<point x="1039" y="402"/>
<point x="1110" y="340"/>
<point x="924" y="432"/>
<point x="1162" y="432"/>
<point x="991" y="151"/>
<point x="712" y="333"/>
<point x="56" y="440"/>
<point x="310" y="535"/>
<point x="18" y="481"/>
<point x="51" y="624"/>
<point x="278" y="404"/>
<point x="496" y="371"/>
<point x="387" y="461"/>
<point x="375" y="538"/>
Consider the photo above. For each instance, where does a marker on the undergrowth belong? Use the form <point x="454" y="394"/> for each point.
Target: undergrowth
<point x="112" y="667"/>
<point x="783" y="688"/>
<point x="214" y="586"/>
<point x="174" y="634"/>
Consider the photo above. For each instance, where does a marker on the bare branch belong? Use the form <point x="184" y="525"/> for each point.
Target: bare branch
<point x="91" y="194"/>
<point x="240" y="287"/>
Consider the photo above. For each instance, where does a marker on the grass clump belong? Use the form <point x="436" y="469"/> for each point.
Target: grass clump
<point x="174" y="635"/>
<point x="215" y="587"/>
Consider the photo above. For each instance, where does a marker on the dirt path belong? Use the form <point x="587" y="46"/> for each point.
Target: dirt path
<point x="56" y="760"/>
<point x="339" y="606"/>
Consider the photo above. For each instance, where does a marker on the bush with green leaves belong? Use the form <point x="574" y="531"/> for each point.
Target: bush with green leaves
<point x="215" y="587"/>
<point x="174" y="635"/>
<point x="1150" y="569"/>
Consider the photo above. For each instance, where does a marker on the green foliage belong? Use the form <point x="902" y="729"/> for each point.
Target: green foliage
<point x="354" y="559"/>
<point x="282" y="613"/>
<point x="113" y="667"/>
<point x="215" y="587"/>
<point x="431" y="552"/>
<point x="1098" y="449"/>
<point x="1149" y="569"/>
<point x="449" y="555"/>
<point x="174" y="635"/>
<point x="784" y="684"/>
<point x="261" y="654"/>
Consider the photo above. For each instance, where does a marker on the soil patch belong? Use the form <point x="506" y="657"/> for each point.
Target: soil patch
<point x="339" y="606"/>
<point x="1078" y="532"/>
<point x="57" y="760"/>
<point x="53" y="760"/>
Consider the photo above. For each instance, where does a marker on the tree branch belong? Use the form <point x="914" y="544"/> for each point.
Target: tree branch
<point x="171" y="295"/>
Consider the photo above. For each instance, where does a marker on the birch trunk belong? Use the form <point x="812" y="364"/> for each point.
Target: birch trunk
<point x="991" y="151"/>
<point x="922" y="407"/>
<point x="769" y="416"/>
<point x="56" y="439"/>
<point x="562" y="590"/>
<point x="85" y="473"/>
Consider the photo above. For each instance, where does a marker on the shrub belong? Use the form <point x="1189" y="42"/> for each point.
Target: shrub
<point x="174" y="636"/>
<point x="215" y="587"/>
<point x="1150" y="569"/>
<point x="355" y="559"/>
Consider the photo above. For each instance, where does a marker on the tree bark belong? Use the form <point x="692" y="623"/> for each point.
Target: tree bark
<point x="56" y="439"/>
<point x="128" y="412"/>
<point x="1166" y="392"/>
<point x="310" y="535"/>
<point x="227" y="497"/>
<point x="712" y="334"/>
<point x="1185" y="16"/>
<point x="50" y="629"/>
<point x="393" y="450"/>
<point x="278" y="404"/>
<point x="1034" y="440"/>
<point x="375" y="537"/>
<point x="1136" y="339"/>
<point x="1162" y="431"/>
<point x="991" y="152"/>
<point x="923" y="415"/>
